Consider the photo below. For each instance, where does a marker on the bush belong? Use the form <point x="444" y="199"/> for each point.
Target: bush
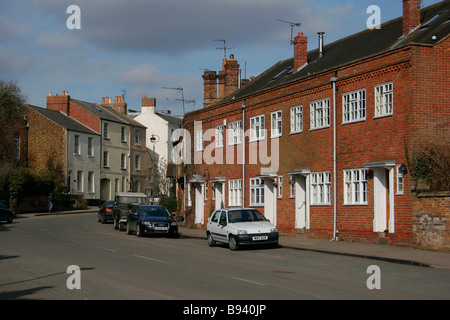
<point x="429" y="166"/>
<point x="171" y="204"/>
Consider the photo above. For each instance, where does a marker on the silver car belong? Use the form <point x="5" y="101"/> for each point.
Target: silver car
<point x="240" y="227"/>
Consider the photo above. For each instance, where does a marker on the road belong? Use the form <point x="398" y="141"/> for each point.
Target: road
<point x="35" y="253"/>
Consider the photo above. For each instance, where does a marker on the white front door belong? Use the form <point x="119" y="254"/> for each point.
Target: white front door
<point x="199" y="204"/>
<point x="301" y="193"/>
<point x="270" y="200"/>
<point x="218" y="186"/>
<point x="383" y="180"/>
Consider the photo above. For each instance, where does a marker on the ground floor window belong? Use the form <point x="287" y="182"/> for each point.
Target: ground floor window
<point x="320" y="188"/>
<point x="256" y="192"/>
<point x="235" y="192"/>
<point x="355" y="186"/>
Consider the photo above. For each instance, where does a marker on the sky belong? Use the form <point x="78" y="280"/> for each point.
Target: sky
<point x="141" y="48"/>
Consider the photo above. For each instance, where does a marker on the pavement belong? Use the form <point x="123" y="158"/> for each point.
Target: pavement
<point x="381" y="252"/>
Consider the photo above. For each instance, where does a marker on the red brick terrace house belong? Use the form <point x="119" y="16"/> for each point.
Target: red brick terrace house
<point x="335" y="121"/>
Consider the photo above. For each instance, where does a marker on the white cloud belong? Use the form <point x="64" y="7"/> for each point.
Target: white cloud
<point x="56" y="41"/>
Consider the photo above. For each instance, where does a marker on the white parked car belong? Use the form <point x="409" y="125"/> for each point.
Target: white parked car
<point x="240" y="227"/>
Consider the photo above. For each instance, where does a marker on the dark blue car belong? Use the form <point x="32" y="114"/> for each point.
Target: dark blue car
<point x="151" y="220"/>
<point x="5" y="213"/>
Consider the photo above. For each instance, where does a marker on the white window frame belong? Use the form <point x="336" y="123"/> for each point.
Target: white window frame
<point x="91" y="185"/>
<point x="123" y="134"/>
<point x="235" y="192"/>
<point x="320" y="114"/>
<point x="76" y="145"/>
<point x="355" y="187"/>
<point x="276" y="124"/>
<point x="384" y="100"/>
<point x="400" y="181"/>
<point x="235" y="133"/>
<point x="321" y="188"/>
<point x="354" y="106"/>
<point x="257" y="128"/>
<point x="256" y="192"/>
<point x="297" y="119"/>
<point x="123" y="161"/>
<point x="105" y="159"/>
<point x="199" y="140"/>
<point x="90" y="152"/>
<point x="79" y="181"/>
<point x="220" y="136"/>
<point x="106" y="131"/>
<point x="280" y="187"/>
<point x="137" y="162"/>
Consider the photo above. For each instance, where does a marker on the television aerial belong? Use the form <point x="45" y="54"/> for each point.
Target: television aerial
<point x="293" y="24"/>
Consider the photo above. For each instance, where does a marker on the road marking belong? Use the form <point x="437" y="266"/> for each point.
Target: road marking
<point x="151" y="259"/>
<point x="245" y="280"/>
<point x="110" y="250"/>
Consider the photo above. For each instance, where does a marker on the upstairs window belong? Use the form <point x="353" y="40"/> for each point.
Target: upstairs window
<point x="276" y="122"/>
<point x="235" y="133"/>
<point x="257" y="128"/>
<point x="354" y="106"/>
<point x="384" y="100"/>
<point x="320" y="114"/>
<point x="296" y="119"/>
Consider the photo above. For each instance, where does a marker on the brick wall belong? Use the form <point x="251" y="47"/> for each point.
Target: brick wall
<point x="431" y="215"/>
<point x="46" y="140"/>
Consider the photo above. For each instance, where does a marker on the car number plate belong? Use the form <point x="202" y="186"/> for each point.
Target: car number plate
<point x="258" y="238"/>
<point x="161" y="228"/>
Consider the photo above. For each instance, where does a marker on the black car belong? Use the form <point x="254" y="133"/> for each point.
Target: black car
<point x="5" y="213"/>
<point x="151" y="220"/>
<point x="105" y="213"/>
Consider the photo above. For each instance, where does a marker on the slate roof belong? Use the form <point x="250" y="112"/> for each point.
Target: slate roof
<point x="170" y="119"/>
<point x="435" y="19"/>
<point x="99" y="111"/>
<point x="63" y="120"/>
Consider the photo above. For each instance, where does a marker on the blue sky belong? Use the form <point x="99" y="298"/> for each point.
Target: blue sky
<point x="139" y="47"/>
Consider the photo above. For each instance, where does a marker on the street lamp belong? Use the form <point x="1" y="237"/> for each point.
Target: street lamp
<point x="154" y="139"/>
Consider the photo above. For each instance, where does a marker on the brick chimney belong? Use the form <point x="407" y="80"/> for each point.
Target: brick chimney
<point x="217" y="86"/>
<point x="148" y="105"/>
<point x="300" y="51"/>
<point x="118" y="104"/>
<point x="209" y="87"/>
<point x="59" y="103"/>
<point x="411" y="15"/>
<point x="231" y="76"/>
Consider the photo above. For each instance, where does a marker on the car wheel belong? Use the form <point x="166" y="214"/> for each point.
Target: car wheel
<point x="232" y="243"/>
<point x="211" y="241"/>
<point x="138" y="230"/>
<point x="116" y="224"/>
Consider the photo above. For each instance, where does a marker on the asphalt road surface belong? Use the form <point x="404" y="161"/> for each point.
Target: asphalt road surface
<point x="36" y="252"/>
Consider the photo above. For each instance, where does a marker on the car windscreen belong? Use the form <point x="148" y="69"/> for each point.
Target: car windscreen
<point x="245" y="216"/>
<point x="153" y="212"/>
<point x="3" y="205"/>
<point x="137" y="200"/>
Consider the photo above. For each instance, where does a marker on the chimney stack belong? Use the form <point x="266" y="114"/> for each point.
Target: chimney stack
<point x="148" y="105"/>
<point x="411" y="15"/>
<point x="217" y="86"/>
<point x="209" y="87"/>
<point x="300" y="51"/>
<point x="118" y="104"/>
<point x="59" y="103"/>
